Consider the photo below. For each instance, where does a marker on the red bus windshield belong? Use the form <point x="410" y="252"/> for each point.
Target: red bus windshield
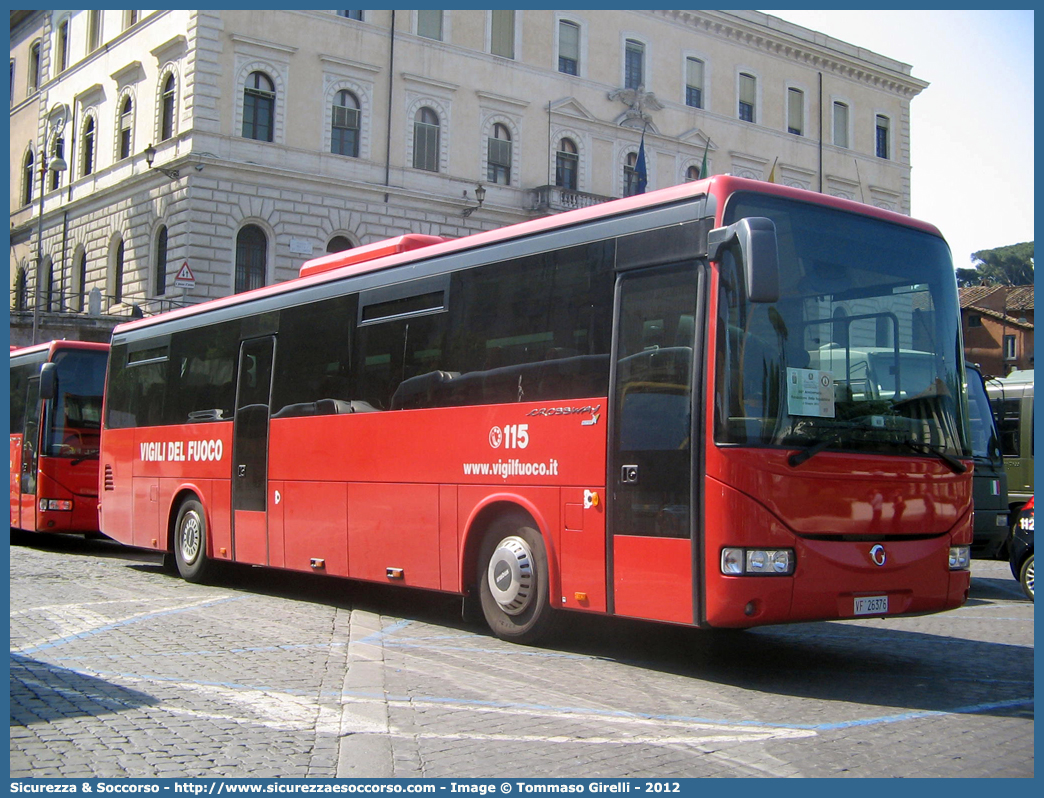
<point x="862" y="348"/>
<point x="74" y="414"/>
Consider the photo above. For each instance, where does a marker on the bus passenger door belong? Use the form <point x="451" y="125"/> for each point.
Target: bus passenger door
<point x="250" y="452"/>
<point x="650" y="462"/>
<point x="29" y="454"/>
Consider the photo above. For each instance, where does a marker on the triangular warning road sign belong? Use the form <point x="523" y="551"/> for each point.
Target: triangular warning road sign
<point x="185" y="277"/>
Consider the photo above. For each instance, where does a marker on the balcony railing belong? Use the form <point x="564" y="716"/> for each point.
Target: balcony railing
<point x="556" y="199"/>
<point x="95" y="304"/>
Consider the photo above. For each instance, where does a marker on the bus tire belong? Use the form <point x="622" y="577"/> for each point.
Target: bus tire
<point x="512" y="580"/>
<point x="190" y="542"/>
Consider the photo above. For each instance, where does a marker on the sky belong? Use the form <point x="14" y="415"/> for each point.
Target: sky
<point x="972" y="128"/>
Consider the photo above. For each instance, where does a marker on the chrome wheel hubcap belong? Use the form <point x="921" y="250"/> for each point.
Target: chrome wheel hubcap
<point x="190" y="538"/>
<point x="510" y="575"/>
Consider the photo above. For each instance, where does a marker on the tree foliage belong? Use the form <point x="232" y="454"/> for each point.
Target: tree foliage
<point x="1010" y="265"/>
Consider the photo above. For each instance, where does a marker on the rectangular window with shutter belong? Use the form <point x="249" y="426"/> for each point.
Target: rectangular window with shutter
<point x="634" y="64"/>
<point x="694" y="82"/>
<point x="881" y="136"/>
<point x="502" y="33"/>
<point x="748" y="88"/>
<point x="796" y="112"/>
<point x="429" y="24"/>
<point x="568" y="48"/>
<point x="840" y="125"/>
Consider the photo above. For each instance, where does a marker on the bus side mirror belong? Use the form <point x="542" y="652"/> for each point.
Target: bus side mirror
<point x="756" y="237"/>
<point x="48" y="381"/>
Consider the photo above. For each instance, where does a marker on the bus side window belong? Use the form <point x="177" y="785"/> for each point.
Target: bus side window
<point x="314" y="358"/>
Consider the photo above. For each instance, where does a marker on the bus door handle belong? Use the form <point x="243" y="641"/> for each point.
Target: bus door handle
<point x="629" y="475"/>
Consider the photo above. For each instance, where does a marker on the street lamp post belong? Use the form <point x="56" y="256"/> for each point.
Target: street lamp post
<point x="57" y="164"/>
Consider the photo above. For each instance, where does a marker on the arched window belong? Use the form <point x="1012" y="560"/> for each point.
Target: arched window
<point x="28" y="178"/>
<point x="499" y="156"/>
<point x="251" y="258"/>
<point x="88" y="147"/>
<point x="426" y="140"/>
<point x="338" y="244"/>
<point x="126" y="126"/>
<point x="50" y="286"/>
<point x="259" y="107"/>
<point x="344" y="136"/>
<point x="79" y="287"/>
<point x="167" y="98"/>
<point x="160" y="266"/>
<point x="631" y="175"/>
<point x="21" y="291"/>
<point x="692" y="173"/>
<point x="117" y="274"/>
<point x="567" y="163"/>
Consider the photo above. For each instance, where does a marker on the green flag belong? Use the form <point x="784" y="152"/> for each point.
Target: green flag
<point x="703" y="168"/>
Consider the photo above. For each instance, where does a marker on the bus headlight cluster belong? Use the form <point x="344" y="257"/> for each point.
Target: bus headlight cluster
<point x="960" y="558"/>
<point x="55" y="504"/>
<point x="754" y="562"/>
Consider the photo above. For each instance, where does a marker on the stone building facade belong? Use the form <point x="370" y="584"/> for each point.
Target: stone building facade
<point x="232" y="146"/>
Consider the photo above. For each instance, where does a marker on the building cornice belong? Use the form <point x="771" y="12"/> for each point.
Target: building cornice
<point x="794" y="43"/>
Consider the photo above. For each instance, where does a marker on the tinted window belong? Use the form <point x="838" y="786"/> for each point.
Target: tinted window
<point x="314" y="359"/>
<point x="137" y="389"/>
<point x="203" y="367"/>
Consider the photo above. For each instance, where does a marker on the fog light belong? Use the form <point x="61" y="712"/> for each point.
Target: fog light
<point x="960" y="558"/>
<point x="55" y="504"/>
<point x="757" y="562"/>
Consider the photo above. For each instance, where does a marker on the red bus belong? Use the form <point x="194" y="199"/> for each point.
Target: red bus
<point x="660" y="407"/>
<point x="56" y="406"/>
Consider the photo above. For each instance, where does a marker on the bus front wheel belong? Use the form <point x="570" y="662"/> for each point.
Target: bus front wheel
<point x="190" y="542"/>
<point x="513" y="582"/>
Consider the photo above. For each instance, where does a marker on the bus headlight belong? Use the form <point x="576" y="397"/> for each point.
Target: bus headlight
<point x="757" y="562"/>
<point x="55" y="504"/>
<point x="960" y="558"/>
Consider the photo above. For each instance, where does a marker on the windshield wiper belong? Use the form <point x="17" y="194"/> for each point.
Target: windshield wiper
<point x="798" y="458"/>
<point x="924" y="448"/>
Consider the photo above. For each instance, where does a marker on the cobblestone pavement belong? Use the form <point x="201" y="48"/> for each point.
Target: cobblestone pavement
<point x="121" y="669"/>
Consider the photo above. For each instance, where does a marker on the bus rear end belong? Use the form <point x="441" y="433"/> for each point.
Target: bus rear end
<point x="56" y="400"/>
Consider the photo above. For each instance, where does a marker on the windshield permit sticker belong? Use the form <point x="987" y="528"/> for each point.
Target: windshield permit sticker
<point x="810" y="393"/>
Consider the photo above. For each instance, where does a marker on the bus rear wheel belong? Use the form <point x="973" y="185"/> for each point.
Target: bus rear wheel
<point x="190" y="542"/>
<point x="513" y="582"/>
